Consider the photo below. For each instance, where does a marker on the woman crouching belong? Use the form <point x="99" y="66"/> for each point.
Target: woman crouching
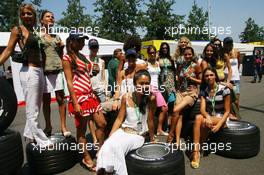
<point x="135" y="118"/>
<point x="215" y="108"/>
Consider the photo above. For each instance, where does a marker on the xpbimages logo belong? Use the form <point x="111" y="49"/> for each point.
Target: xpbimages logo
<point x="184" y="30"/>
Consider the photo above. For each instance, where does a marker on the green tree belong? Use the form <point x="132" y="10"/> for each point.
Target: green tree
<point x="252" y="32"/>
<point x="75" y="18"/>
<point x="160" y="21"/>
<point x="9" y="16"/>
<point x="197" y="24"/>
<point x="118" y="18"/>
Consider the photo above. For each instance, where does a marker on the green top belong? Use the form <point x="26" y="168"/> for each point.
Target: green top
<point x="112" y="71"/>
<point x="53" y="60"/>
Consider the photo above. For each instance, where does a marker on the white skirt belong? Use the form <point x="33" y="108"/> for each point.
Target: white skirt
<point x="54" y="82"/>
<point x="115" y="148"/>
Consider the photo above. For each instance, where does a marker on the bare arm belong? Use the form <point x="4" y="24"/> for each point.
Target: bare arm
<point x="204" y="65"/>
<point x="197" y="79"/>
<point x="228" y="65"/>
<point x="10" y="46"/>
<point x="68" y="74"/>
<point x="152" y="109"/>
<point x="120" y="117"/>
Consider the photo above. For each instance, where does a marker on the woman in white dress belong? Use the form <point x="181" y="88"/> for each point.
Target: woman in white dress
<point x="135" y="118"/>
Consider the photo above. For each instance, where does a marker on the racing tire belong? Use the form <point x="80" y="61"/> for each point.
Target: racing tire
<point x="242" y="137"/>
<point x="8" y="104"/>
<point x="155" y="159"/>
<point x="11" y="152"/>
<point x="55" y="159"/>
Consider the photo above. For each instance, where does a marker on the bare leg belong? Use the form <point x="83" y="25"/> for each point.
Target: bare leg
<point x="81" y="130"/>
<point x="162" y="117"/>
<point x="46" y="112"/>
<point x="178" y="130"/>
<point x="62" y="110"/>
<point x="92" y="130"/>
<point x="101" y="124"/>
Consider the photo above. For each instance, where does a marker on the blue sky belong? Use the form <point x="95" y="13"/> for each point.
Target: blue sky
<point x="224" y="13"/>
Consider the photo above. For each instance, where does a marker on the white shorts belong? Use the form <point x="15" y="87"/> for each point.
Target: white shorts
<point x="54" y="82"/>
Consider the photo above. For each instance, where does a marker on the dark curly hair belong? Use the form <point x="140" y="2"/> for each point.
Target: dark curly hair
<point x="132" y="42"/>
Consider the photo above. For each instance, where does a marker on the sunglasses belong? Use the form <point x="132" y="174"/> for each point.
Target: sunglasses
<point x="94" y="47"/>
<point x="151" y="53"/>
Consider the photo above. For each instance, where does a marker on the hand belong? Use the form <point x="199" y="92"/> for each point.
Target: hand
<point x="229" y="85"/>
<point x="115" y="106"/>
<point x="77" y="109"/>
<point x="208" y="123"/>
<point x="186" y="75"/>
<point x="216" y="128"/>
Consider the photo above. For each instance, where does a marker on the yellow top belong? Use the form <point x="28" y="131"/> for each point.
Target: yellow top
<point x="220" y="66"/>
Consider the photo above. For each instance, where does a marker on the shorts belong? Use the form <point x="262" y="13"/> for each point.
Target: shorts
<point x="189" y="96"/>
<point x="54" y="82"/>
<point x="160" y="101"/>
<point x="236" y="86"/>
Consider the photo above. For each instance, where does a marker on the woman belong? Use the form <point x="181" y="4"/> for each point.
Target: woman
<point x="178" y="55"/>
<point x="187" y="89"/>
<point x="31" y="73"/>
<point x="125" y="77"/>
<point x="154" y="71"/>
<point x="215" y="107"/>
<point x="209" y="57"/>
<point x="234" y="56"/>
<point x="222" y="61"/>
<point x="134" y="119"/>
<point x="53" y="47"/>
<point x="83" y="103"/>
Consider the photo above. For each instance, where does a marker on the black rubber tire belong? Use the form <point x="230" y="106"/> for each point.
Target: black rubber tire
<point x="243" y="136"/>
<point x="170" y="163"/>
<point x="8" y="104"/>
<point x="11" y="152"/>
<point x="50" y="161"/>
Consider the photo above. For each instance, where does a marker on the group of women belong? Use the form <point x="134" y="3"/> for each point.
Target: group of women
<point x="168" y="84"/>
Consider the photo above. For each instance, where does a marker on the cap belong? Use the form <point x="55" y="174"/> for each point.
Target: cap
<point x="131" y="52"/>
<point x="92" y="43"/>
<point x="228" y="40"/>
<point x="77" y="36"/>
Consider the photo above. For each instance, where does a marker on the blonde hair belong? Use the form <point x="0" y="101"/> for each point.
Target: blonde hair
<point x="179" y="50"/>
<point x="29" y="7"/>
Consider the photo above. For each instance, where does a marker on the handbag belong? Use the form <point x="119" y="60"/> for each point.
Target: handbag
<point x="19" y="56"/>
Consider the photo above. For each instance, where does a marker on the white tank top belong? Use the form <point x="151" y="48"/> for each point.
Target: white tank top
<point x="133" y="117"/>
<point x="234" y="67"/>
<point x="154" y="73"/>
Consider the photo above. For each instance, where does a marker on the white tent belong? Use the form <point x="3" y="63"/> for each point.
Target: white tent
<point x="107" y="48"/>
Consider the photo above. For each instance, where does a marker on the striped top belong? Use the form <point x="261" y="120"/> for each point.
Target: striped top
<point x="81" y="78"/>
<point x="220" y="95"/>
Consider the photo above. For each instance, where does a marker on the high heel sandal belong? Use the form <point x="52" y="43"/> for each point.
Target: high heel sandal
<point x="66" y="133"/>
<point x="195" y="164"/>
<point x="91" y="167"/>
<point x="170" y="139"/>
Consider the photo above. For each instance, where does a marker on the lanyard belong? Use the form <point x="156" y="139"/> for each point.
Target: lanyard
<point x="136" y="109"/>
<point x="213" y="100"/>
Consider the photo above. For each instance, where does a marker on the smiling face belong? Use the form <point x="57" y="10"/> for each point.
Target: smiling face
<point x="183" y="43"/>
<point x="188" y="54"/>
<point x="48" y="19"/>
<point x="27" y="16"/>
<point x="209" y="51"/>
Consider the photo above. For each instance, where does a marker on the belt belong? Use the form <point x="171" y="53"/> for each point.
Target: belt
<point x="129" y="130"/>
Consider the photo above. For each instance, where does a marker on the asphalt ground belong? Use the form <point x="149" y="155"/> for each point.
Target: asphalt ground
<point x="251" y="109"/>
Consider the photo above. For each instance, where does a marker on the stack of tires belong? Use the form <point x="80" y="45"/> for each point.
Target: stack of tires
<point x="11" y="149"/>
